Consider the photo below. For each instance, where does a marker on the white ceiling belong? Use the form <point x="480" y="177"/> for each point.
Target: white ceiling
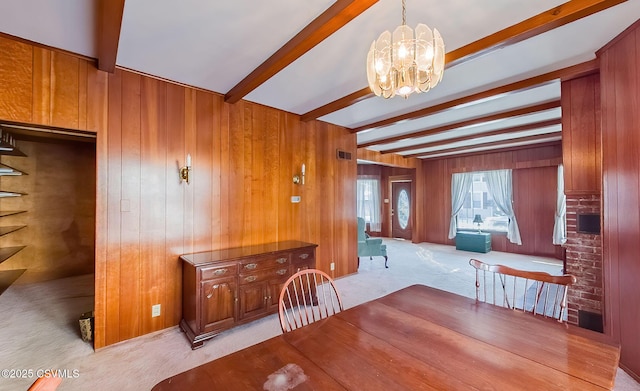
<point x="214" y="44"/>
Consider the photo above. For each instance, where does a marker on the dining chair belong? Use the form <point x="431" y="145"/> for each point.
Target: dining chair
<point x="45" y="384"/>
<point x="536" y="292"/>
<point x="307" y="296"/>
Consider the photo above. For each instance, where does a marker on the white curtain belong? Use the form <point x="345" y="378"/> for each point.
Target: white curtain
<point x="460" y="186"/>
<point x="500" y="186"/>
<point x="368" y="203"/>
<point x="560" y="226"/>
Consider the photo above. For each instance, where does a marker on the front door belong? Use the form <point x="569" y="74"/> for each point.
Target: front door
<point x="401" y="210"/>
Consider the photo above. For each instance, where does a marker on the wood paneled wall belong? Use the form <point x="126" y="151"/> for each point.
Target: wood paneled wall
<point x="535" y="169"/>
<point x="244" y="158"/>
<point x="581" y="135"/>
<point x="620" y="81"/>
<point x="59" y="210"/>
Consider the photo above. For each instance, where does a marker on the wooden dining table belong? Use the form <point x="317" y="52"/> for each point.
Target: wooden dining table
<point x="418" y="338"/>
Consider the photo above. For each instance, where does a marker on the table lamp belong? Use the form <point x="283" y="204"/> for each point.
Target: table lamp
<point x="477" y="220"/>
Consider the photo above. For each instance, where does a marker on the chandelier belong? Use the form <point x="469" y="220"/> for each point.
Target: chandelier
<point x="405" y="63"/>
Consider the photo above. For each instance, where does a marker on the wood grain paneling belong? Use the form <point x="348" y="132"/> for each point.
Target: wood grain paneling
<point x="16" y="72"/>
<point x="534" y="196"/>
<point x="534" y="202"/>
<point x="174" y="244"/>
<point x="107" y="316"/>
<point x="244" y="157"/>
<point x="581" y="135"/>
<point x="620" y="66"/>
<point x="129" y="241"/>
<point x="153" y="196"/>
<point x="65" y="87"/>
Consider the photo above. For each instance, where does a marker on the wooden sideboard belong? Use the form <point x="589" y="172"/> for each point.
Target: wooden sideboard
<point x="224" y="288"/>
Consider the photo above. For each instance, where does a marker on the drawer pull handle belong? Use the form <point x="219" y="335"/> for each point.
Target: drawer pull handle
<point x="282" y="272"/>
<point x="251" y="266"/>
<point x="220" y="272"/>
<point x="281" y="260"/>
<point x="250" y="278"/>
<point x="304" y="256"/>
<point x="211" y="291"/>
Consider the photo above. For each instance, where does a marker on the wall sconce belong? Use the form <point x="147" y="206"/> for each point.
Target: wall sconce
<point x="186" y="170"/>
<point x="299" y="179"/>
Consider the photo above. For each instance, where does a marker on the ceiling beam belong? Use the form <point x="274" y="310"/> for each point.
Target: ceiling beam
<point x="538" y="24"/>
<point x="469" y="122"/>
<point x="519" y="86"/>
<point x="496" y="144"/>
<point x="499" y="132"/>
<point x="110" y="23"/>
<point x="330" y="21"/>
<point x="554" y="161"/>
<point x="339" y="104"/>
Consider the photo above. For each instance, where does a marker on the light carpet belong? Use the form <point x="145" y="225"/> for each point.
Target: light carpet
<point x="39" y="327"/>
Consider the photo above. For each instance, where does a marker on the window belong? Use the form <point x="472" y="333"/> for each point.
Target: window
<point x="478" y="201"/>
<point x="368" y="203"/>
<point x="403" y="209"/>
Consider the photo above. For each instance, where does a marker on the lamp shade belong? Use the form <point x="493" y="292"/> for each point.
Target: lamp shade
<point x="477" y="219"/>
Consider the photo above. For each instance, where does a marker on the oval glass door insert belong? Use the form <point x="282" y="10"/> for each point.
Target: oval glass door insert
<point x="403" y="209"/>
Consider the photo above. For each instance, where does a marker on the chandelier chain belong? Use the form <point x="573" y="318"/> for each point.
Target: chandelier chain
<point x="404" y="13"/>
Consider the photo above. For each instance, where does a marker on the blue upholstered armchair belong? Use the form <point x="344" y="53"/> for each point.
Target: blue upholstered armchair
<point x="369" y="247"/>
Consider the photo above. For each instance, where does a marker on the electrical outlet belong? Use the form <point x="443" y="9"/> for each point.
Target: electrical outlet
<point x="333" y="266"/>
<point x="155" y="310"/>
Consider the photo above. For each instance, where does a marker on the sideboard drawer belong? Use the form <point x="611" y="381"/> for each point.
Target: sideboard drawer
<point x="264" y="275"/>
<point x="303" y="256"/>
<point x="207" y="273"/>
<point x="255" y="264"/>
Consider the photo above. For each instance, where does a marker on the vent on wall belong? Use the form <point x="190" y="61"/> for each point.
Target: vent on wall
<point x="343" y="155"/>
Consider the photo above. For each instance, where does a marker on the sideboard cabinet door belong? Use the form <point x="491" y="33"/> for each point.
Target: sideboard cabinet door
<point x="219" y="304"/>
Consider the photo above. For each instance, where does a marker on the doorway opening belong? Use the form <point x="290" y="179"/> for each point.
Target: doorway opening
<point x="51" y="197"/>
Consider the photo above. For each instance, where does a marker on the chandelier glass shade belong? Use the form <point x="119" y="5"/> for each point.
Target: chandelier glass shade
<point x="406" y="62"/>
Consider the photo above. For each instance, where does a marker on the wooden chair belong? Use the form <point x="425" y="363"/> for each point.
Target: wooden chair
<point x="539" y="293"/>
<point x="45" y="384"/>
<point x="308" y="296"/>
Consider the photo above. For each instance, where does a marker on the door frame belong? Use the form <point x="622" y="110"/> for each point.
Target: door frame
<point x="412" y="208"/>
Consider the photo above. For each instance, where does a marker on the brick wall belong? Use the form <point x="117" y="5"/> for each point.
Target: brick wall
<point x="583" y="260"/>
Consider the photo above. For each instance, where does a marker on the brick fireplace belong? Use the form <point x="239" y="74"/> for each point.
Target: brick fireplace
<point x="584" y="260"/>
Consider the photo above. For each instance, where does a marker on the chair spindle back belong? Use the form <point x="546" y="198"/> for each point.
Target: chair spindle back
<point x="536" y="292"/>
<point x="308" y="296"/>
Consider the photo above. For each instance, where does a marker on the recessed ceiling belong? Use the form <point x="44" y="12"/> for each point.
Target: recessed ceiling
<point x="508" y="56"/>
